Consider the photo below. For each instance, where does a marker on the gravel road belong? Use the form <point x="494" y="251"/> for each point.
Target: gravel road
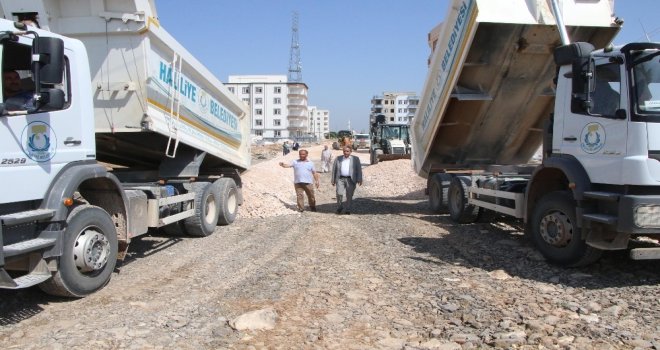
<point x="389" y="276"/>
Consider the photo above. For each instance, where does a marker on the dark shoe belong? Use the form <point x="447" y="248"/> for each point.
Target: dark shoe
<point x="301" y="210"/>
<point x="339" y="210"/>
<point x="313" y="209"/>
<point x="348" y="213"/>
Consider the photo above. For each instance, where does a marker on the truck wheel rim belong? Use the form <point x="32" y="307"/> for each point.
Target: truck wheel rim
<point x="556" y="229"/>
<point x="211" y="210"/>
<point x="91" y="250"/>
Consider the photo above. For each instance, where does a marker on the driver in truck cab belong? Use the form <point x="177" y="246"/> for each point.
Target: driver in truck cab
<point x="15" y="98"/>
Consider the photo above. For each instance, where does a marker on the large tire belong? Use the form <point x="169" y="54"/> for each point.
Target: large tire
<point x="438" y="188"/>
<point x="207" y="203"/>
<point x="555" y="233"/>
<point x="228" y="200"/>
<point x="459" y="209"/>
<point x="89" y="254"/>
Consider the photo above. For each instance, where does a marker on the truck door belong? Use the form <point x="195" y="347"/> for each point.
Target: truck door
<point x="597" y="138"/>
<point x="34" y="144"/>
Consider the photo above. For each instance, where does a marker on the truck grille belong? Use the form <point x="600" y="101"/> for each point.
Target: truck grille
<point x="398" y="150"/>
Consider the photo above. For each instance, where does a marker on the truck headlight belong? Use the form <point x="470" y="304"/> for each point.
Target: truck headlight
<point x="647" y="216"/>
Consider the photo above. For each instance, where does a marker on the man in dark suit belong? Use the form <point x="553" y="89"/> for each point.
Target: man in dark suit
<point x="346" y="173"/>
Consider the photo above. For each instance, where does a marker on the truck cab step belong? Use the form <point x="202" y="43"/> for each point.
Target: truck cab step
<point x="28" y="246"/>
<point x="603" y="196"/>
<point x="645" y="253"/>
<point x="39" y="273"/>
<point x="24" y="281"/>
<point x="601" y="218"/>
<point x="26" y="216"/>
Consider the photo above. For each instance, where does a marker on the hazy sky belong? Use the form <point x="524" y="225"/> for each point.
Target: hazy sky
<point x="350" y="50"/>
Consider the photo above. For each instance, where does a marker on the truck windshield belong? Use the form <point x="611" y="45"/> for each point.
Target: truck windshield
<point x="646" y="72"/>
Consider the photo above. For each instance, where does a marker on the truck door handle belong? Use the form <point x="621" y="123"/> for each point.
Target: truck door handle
<point x="72" y="142"/>
<point x="570" y="138"/>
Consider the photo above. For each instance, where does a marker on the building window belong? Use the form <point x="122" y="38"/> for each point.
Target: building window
<point x="258" y="133"/>
<point x="277" y="100"/>
<point x="278" y="133"/>
<point x="258" y="122"/>
<point x="258" y="90"/>
<point x="258" y="111"/>
<point x="258" y="101"/>
<point x="277" y="111"/>
<point x="231" y="89"/>
<point x="245" y="90"/>
<point x="277" y="90"/>
<point x="277" y="122"/>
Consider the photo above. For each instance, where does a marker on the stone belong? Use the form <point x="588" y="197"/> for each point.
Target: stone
<point x="255" y="320"/>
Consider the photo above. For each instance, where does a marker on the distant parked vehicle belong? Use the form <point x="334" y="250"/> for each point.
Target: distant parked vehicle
<point x="361" y="141"/>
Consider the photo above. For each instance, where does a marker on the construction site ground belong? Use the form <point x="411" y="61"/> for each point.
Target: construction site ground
<point x="392" y="275"/>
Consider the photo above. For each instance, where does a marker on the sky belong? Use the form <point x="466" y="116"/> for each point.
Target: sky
<point x="351" y="50"/>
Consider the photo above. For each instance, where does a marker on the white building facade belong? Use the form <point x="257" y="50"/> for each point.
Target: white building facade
<point x="319" y="122"/>
<point x="278" y="108"/>
<point x="397" y="107"/>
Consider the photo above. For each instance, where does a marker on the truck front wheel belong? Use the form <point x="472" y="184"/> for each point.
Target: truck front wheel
<point x="459" y="209"/>
<point x="228" y="200"/>
<point x="555" y="233"/>
<point x="89" y="254"/>
<point x="207" y="204"/>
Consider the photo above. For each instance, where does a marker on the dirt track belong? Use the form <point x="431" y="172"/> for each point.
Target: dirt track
<point x="389" y="276"/>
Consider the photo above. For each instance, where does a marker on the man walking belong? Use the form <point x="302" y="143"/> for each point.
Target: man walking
<point x="303" y="177"/>
<point x="326" y="158"/>
<point x="346" y="172"/>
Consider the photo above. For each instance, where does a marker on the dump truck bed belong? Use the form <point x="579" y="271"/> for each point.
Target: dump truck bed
<point x="490" y="83"/>
<point x="149" y="90"/>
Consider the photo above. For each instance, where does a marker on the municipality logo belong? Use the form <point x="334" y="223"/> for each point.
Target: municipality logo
<point x="592" y="139"/>
<point x="39" y="141"/>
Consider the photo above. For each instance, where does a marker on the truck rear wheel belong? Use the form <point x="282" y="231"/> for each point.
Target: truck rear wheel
<point x="89" y="254"/>
<point x="555" y="233"/>
<point x="457" y="199"/>
<point x="438" y="188"/>
<point x="228" y="200"/>
<point x="207" y="203"/>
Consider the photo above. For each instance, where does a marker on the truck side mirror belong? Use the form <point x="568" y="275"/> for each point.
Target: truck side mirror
<point x="52" y="98"/>
<point x="581" y="85"/>
<point x="50" y="52"/>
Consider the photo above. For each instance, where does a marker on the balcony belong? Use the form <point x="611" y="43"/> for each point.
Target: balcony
<point x="298" y="113"/>
<point x="297" y="125"/>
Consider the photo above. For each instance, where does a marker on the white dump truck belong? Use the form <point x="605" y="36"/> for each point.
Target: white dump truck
<point x="109" y="128"/>
<point x="504" y="80"/>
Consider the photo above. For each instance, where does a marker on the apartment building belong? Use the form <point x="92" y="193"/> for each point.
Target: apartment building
<point x="319" y="122"/>
<point x="278" y="108"/>
<point x="397" y="107"/>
